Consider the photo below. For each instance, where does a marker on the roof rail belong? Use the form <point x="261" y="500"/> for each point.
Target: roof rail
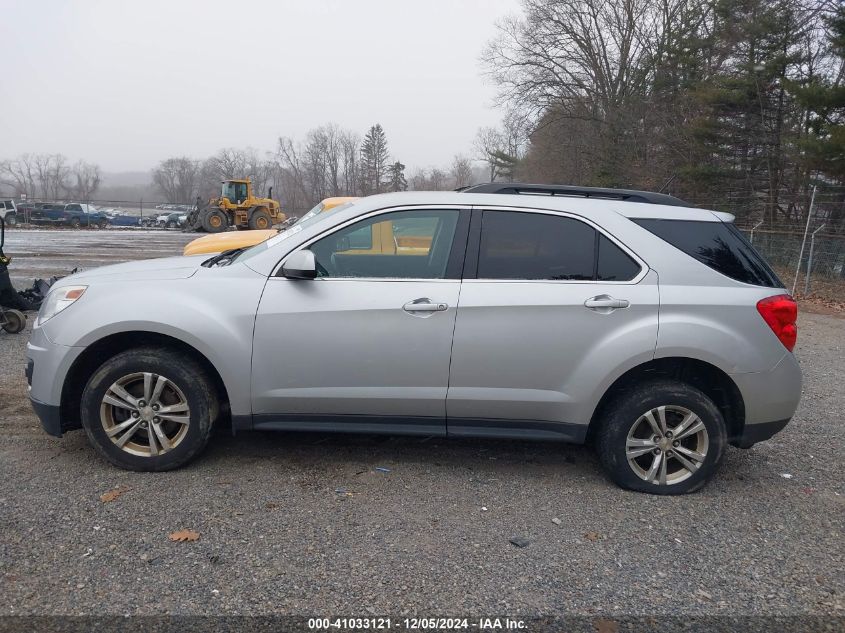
<point x="626" y="195"/>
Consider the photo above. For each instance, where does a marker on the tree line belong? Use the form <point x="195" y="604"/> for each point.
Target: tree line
<point x="732" y="104"/>
<point x="328" y="161"/>
<point x="736" y="104"/>
<point x="50" y="176"/>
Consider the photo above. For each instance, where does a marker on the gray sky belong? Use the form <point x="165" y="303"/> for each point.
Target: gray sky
<point x="128" y="83"/>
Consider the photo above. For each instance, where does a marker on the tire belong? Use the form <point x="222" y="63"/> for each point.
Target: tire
<point x="170" y="225"/>
<point x="260" y="219"/>
<point x="187" y="384"/>
<point x="14" y="321"/>
<point x="75" y="223"/>
<point x="214" y="221"/>
<point x="625" y="419"/>
<point x="103" y="224"/>
<point x="11" y="219"/>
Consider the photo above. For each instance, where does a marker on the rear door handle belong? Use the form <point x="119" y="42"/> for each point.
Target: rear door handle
<point x="606" y="303"/>
<point x="425" y="305"/>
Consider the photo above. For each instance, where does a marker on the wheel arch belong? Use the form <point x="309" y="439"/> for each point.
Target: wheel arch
<point x="712" y="381"/>
<point x="101" y="350"/>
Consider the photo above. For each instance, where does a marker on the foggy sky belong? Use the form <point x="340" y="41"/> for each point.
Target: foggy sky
<point x="126" y="83"/>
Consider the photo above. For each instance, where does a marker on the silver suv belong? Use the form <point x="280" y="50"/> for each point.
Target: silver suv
<point x="626" y="319"/>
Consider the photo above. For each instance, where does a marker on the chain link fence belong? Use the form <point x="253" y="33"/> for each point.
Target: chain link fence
<point x="802" y="235"/>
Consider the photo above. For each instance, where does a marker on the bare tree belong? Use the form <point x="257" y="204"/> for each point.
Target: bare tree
<point x="438" y="179"/>
<point x="461" y="171"/>
<point x="87" y="180"/>
<point x="350" y="148"/>
<point x="178" y="179"/>
<point x="19" y="175"/>
<point x="292" y="175"/>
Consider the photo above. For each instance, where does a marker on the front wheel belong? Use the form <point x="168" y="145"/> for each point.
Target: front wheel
<point x="149" y="409"/>
<point x="11" y="219"/>
<point x="75" y="223"/>
<point x="214" y="221"/>
<point x="662" y="437"/>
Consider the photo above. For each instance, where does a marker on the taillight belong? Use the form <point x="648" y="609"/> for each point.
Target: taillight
<point x="781" y="313"/>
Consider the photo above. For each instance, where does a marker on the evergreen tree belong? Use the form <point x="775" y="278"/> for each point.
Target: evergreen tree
<point x="374" y="158"/>
<point x="396" y="177"/>
<point x="824" y="100"/>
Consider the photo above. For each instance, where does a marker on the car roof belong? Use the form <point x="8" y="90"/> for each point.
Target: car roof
<point x="586" y="207"/>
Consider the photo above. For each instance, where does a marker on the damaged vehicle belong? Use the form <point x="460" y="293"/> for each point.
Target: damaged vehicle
<point x="624" y="319"/>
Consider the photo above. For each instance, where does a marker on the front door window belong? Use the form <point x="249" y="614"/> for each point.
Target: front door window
<point x="399" y="245"/>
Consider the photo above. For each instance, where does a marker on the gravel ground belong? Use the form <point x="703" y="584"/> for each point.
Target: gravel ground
<point x="429" y="537"/>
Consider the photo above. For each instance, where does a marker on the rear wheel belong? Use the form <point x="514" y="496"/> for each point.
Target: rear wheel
<point x="260" y="219"/>
<point x="149" y="409"/>
<point x="214" y="221"/>
<point x="13" y="321"/>
<point x="103" y="223"/>
<point x="662" y="437"/>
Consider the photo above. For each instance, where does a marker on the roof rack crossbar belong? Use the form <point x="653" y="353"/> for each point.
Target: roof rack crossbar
<point x="625" y="195"/>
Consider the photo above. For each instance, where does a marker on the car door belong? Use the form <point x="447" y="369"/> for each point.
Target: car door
<point x="367" y="344"/>
<point x="549" y="307"/>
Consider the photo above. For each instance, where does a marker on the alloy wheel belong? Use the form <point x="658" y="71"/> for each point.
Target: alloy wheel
<point x="667" y="445"/>
<point x="145" y="414"/>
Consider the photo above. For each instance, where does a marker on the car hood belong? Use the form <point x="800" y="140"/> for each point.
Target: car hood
<point x="162" y="268"/>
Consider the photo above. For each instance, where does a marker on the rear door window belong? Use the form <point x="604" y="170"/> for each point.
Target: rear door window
<point x="539" y="246"/>
<point x="614" y="264"/>
<point x="718" y="245"/>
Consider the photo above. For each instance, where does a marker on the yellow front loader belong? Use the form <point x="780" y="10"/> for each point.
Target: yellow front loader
<point x="238" y="207"/>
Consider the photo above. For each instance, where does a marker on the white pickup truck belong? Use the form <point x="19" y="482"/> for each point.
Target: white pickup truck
<point x="9" y="212"/>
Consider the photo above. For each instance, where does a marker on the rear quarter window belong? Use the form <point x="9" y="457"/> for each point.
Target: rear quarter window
<point x="718" y="245"/>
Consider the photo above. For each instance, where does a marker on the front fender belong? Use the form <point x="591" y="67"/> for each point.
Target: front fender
<point x="213" y="312"/>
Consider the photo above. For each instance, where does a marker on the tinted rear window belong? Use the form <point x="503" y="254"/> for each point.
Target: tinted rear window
<point x="613" y="263"/>
<point x="718" y="245"/>
<point x="522" y="245"/>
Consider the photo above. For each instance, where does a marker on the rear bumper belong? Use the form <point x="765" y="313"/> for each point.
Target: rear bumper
<point x="50" y="416"/>
<point x="771" y="398"/>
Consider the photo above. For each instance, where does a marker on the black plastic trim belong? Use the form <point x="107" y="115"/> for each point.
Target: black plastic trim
<point x="518" y="429"/>
<point x="241" y="423"/>
<point x="754" y="433"/>
<point x="345" y="423"/>
<point x="421" y="425"/>
<point x="455" y="264"/>
<point x="50" y="416"/>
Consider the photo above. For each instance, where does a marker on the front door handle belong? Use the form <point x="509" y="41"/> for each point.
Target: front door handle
<point x="425" y="305"/>
<point x="605" y="303"/>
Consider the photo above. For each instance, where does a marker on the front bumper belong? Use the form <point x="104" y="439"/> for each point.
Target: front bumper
<point x="47" y="365"/>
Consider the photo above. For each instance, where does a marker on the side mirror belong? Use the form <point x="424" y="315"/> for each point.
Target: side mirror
<point x="300" y="265"/>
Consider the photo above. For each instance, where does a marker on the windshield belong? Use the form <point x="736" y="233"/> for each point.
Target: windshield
<point x="304" y="222"/>
<point x="316" y="210"/>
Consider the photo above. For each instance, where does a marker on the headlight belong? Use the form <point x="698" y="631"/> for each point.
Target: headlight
<point x="57" y="300"/>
